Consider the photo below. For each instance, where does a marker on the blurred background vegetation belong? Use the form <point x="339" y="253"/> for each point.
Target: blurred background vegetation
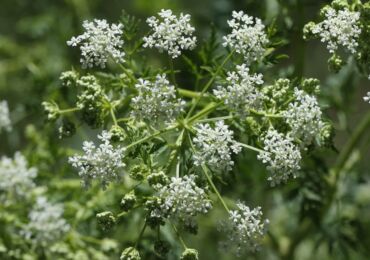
<point x="33" y="53"/>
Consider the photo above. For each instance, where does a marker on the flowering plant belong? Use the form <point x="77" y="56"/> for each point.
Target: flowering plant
<point x="165" y="145"/>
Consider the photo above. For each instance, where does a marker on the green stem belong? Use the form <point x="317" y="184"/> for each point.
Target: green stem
<point x="128" y="73"/>
<point x="113" y="116"/>
<point x="209" y="179"/>
<point x="188" y="93"/>
<point x="252" y="111"/>
<point x="209" y="83"/>
<point x="174" y="153"/>
<point x="69" y="110"/>
<point x="140" y="235"/>
<point x="205" y="171"/>
<point x="212" y="106"/>
<point x="179" y="236"/>
<point x="215" y="119"/>
<point x="251" y="147"/>
<point x="173" y="76"/>
<point x="152" y="136"/>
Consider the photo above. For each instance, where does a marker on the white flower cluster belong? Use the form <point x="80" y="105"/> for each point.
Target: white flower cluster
<point x="304" y="117"/>
<point x="214" y="146"/>
<point x="247" y="37"/>
<point x="244" y="229"/>
<point x="170" y="33"/>
<point x="281" y="155"/>
<point x="99" y="42"/>
<point x="367" y="97"/>
<point x="5" y="122"/>
<point x="46" y="223"/>
<point x="241" y="93"/>
<point x="182" y="199"/>
<point x="15" y="176"/>
<point x="156" y="100"/>
<point x="102" y="163"/>
<point x="340" y="28"/>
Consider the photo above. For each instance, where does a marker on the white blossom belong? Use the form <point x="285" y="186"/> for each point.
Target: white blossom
<point x="156" y="100"/>
<point x="241" y="92"/>
<point x="304" y="117"/>
<point x="46" y="223"/>
<point x="99" y="42"/>
<point x="214" y="146"/>
<point x="367" y="97"/>
<point x="15" y="175"/>
<point x="244" y="230"/>
<point x="5" y="122"/>
<point x="182" y="199"/>
<point x="281" y="155"/>
<point x="103" y="162"/>
<point x="170" y="33"/>
<point x="247" y="37"/>
<point x="340" y="28"/>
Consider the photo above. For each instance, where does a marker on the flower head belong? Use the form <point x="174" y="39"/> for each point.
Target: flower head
<point x="339" y="28"/>
<point x="244" y="229"/>
<point x="182" y="199"/>
<point x="242" y="91"/>
<point x="281" y="155"/>
<point x="247" y="37"/>
<point x="170" y="33"/>
<point x="102" y="162"/>
<point x="214" y="146"/>
<point x="46" y="223"/>
<point x="5" y="122"/>
<point x="16" y="176"/>
<point x="99" y="42"/>
<point x="156" y="100"/>
<point x="304" y="117"/>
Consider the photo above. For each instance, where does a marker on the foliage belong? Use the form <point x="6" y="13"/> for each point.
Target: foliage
<point x="196" y="133"/>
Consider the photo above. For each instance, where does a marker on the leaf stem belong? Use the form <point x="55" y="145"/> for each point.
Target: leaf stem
<point x="209" y="83"/>
<point x="152" y="136"/>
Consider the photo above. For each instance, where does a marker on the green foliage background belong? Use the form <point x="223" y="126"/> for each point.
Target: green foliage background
<point x="33" y="53"/>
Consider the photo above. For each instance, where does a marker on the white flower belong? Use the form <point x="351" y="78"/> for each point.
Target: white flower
<point x="244" y="229"/>
<point x="182" y="199"/>
<point x="46" y="223"/>
<point x="214" y="146"/>
<point x="170" y="33"/>
<point x="340" y="28"/>
<point x="156" y="100"/>
<point x="281" y="156"/>
<point x="241" y="93"/>
<point x="15" y="176"/>
<point x="5" y="122"/>
<point x="99" y="42"/>
<point x="102" y="163"/>
<point x="247" y="37"/>
<point x="304" y="117"/>
<point x="367" y="97"/>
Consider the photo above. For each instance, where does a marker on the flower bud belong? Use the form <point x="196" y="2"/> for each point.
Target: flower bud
<point x="52" y="110"/>
<point x="335" y="63"/>
<point x="189" y="254"/>
<point x="117" y="134"/>
<point x="128" y="201"/>
<point x="138" y="172"/>
<point x="67" y="129"/>
<point x="157" y="179"/>
<point x="161" y="248"/>
<point x="69" y="78"/>
<point x="130" y="253"/>
<point x="106" y="220"/>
